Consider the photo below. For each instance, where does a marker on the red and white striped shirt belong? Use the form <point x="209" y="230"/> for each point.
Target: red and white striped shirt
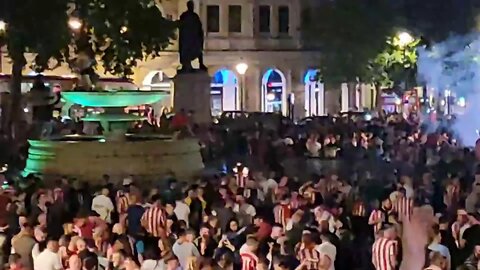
<point x="283" y="213"/>
<point x="153" y="220"/>
<point x="384" y="253"/>
<point x="311" y="257"/>
<point x="403" y="207"/>
<point x="359" y="209"/>
<point x="294" y="201"/>
<point x="249" y="261"/>
<point x="241" y="180"/>
<point x="377" y="217"/>
<point x="123" y="202"/>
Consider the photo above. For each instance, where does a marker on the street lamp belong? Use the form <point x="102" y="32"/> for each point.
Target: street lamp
<point x="123" y="29"/>
<point x="75" y="23"/>
<point x="242" y="69"/>
<point x="404" y="38"/>
<point x="3" y="26"/>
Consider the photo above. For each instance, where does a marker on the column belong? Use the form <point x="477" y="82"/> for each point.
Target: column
<point x="332" y="98"/>
<point x="320" y="98"/>
<point x="298" y="89"/>
<point x="252" y="89"/>
<point x="358" y="97"/>
<point x="344" y="97"/>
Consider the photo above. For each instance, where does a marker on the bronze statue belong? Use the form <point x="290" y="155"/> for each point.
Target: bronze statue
<point x="190" y="39"/>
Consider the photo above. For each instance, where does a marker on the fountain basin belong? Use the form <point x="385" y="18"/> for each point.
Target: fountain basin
<point x="89" y="157"/>
<point x="109" y="99"/>
<point x="113" y="118"/>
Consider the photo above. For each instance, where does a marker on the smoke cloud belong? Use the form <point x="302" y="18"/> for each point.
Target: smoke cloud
<point x="454" y="65"/>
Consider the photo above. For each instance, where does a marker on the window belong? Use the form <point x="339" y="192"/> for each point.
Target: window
<point x="283" y="20"/>
<point x="264" y="19"/>
<point x="213" y="19"/>
<point x="235" y="19"/>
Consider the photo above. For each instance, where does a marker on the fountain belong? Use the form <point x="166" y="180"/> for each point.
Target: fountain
<point x="116" y="152"/>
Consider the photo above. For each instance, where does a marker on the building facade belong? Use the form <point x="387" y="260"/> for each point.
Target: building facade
<point x="266" y="36"/>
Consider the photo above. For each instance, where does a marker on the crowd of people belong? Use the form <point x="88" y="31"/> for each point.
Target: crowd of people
<point x="397" y="198"/>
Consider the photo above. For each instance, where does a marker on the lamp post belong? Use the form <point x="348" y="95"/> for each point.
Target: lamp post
<point x="3" y="26"/>
<point x="405" y="39"/>
<point x="75" y="23"/>
<point x="242" y="69"/>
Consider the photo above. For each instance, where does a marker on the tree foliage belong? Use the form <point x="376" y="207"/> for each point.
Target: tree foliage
<point x="349" y="33"/>
<point x="37" y="27"/>
<point x="396" y="63"/>
<point x="119" y="32"/>
<point x="122" y="32"/>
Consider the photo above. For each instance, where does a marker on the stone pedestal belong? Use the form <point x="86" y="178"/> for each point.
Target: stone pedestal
<point x="192" y="92"/>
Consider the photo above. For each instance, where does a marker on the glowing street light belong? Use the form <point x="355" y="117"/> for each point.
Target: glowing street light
<point x="3" y="26"/>
<point x="242" y="69"/>
<point x="75" y="23"/>
<point x="123" y="29"/>
<point x="404" y="38"/>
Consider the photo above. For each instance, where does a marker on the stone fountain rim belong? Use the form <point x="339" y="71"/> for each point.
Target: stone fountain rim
<point x="101" y="91"/>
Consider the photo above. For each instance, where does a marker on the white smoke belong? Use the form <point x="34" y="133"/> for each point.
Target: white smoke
<point x="454" y="65"/>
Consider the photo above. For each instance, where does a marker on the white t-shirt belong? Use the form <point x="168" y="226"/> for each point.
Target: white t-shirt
<point x="35" y="251"/>
<point x="409" y="192"/>
<point x="153" y="265"/>
<point x="182" y="211"/>
<point x="268" y="185"/>
<point x="47" y="260"/>
<point x="103" y="206"/>
<point x="313" y="148"/>
<point x="329" y="250"/>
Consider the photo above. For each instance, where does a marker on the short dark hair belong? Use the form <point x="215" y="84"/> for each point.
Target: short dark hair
<point x="51" y="238"/>
<point x="90" y="263"/>
<point x="181" y="232"/>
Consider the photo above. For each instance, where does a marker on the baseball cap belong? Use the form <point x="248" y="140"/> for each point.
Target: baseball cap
<point x="443" y="250"/>
<point x="127" y="181"/>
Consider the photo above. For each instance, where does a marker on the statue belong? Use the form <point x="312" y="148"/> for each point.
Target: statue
<point x="190" y="39"/>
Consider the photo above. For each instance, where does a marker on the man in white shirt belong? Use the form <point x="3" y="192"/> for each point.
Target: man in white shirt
<point x="182" y="211"/>
<point x="245" y="211"/>
<point x="49" y="259"/>
<point x="103" y="205"/>
<point x="328" y="252"/>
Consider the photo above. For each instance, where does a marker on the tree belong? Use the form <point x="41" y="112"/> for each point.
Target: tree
<point x="396" y="63"/>
<point x="118" y="32"/>
<point x="349" y="34"/>
<point x="31" y="27"/>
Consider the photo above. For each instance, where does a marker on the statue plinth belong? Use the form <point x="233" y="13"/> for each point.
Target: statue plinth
<point x="192" y="92"/>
